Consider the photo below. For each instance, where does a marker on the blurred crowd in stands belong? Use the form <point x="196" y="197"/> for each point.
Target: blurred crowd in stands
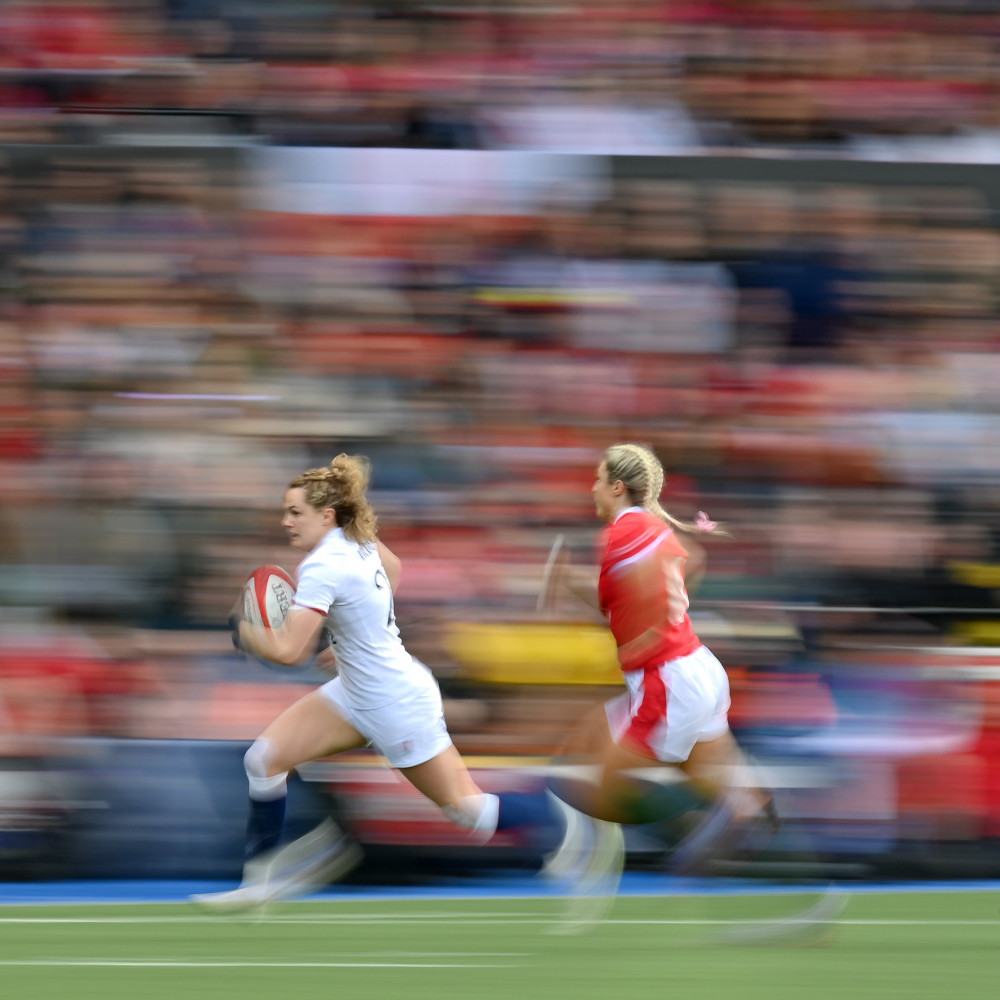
<point x="816" y="365"/>
<point x="815" y="362"/>
<point x="650" y="76"/>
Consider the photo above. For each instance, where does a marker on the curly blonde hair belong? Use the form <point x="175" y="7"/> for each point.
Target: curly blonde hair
<point x="342" y="485"/>
<point x="642" y="474"/>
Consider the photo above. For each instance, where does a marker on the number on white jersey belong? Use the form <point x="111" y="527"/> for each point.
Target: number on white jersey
<point x="382" y="582"/>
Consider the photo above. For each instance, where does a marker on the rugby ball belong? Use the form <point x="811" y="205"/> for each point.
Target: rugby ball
<point x="268" y="596"/>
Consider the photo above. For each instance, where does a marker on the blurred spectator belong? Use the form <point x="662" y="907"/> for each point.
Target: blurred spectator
<point x="635" y="76"/>
<point x="428" y="278"/>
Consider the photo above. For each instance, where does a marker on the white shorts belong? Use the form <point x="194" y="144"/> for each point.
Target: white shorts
<point x="406" y="732"/>
<point x="667" y="710"/>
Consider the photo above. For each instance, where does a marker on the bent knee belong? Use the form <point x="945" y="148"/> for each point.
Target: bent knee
<point x="258" y="758"/>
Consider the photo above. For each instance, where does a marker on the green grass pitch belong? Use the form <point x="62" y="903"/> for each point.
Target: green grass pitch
<point x="911" y="945"/>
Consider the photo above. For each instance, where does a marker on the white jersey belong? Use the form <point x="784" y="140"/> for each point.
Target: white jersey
<point x="345" y="582"/>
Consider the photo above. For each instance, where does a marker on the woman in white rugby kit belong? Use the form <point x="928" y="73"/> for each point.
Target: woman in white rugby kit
<point x="381" y="697"/>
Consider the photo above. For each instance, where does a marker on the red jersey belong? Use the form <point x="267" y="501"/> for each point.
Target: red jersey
<point x="641" y="590"/>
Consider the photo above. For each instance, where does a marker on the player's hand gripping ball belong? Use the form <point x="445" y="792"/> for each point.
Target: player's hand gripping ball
<point x="265" y="601"/>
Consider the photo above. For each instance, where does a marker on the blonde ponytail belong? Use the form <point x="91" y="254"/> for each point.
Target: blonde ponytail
<point x="641" y="472"/>
<point x="342" y="486"/>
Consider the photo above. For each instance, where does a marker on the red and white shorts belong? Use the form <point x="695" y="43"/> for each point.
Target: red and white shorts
<point x="667" y="710"/>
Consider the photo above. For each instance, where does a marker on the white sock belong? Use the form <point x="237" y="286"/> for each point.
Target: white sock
<point x="478" y="814"/>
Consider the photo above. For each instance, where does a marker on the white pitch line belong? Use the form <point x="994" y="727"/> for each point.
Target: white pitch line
<point x="284" y="919"/>
<point x="819" y="920"/>
<point x="454" y="954"/>
<point x="250" y="917"/>
<point x="166" y="964"/>
<point x="647" y="921"/>
<point x="500" y="920"/>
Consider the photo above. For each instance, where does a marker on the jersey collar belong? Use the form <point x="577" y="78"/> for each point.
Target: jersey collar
<point x="628" y="510"/>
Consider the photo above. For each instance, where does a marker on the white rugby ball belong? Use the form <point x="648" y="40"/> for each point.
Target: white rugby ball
<point x="268" y="596"/>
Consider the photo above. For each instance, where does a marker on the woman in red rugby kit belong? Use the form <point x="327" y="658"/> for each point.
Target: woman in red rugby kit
<point x="674" y="710"/>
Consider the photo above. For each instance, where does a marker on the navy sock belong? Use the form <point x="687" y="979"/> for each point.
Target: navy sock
<point x="534" y="814"/>
<point x="526" y="809"/>
<point x="264" y="825"/>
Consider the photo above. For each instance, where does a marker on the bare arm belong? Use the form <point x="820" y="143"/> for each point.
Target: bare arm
<point x="560" y="575"/>
<point x="581" y="582"/>
<point x="695" y="565"/>
<point x="292" y="643"/>
<point x="326" y="660"/>
<point x="391" y="564"/>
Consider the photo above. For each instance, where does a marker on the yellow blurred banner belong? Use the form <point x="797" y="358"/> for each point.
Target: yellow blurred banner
<point x="977" y="633"/>
<point x="976" y="574"/>
<point x="534" y="653"/>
